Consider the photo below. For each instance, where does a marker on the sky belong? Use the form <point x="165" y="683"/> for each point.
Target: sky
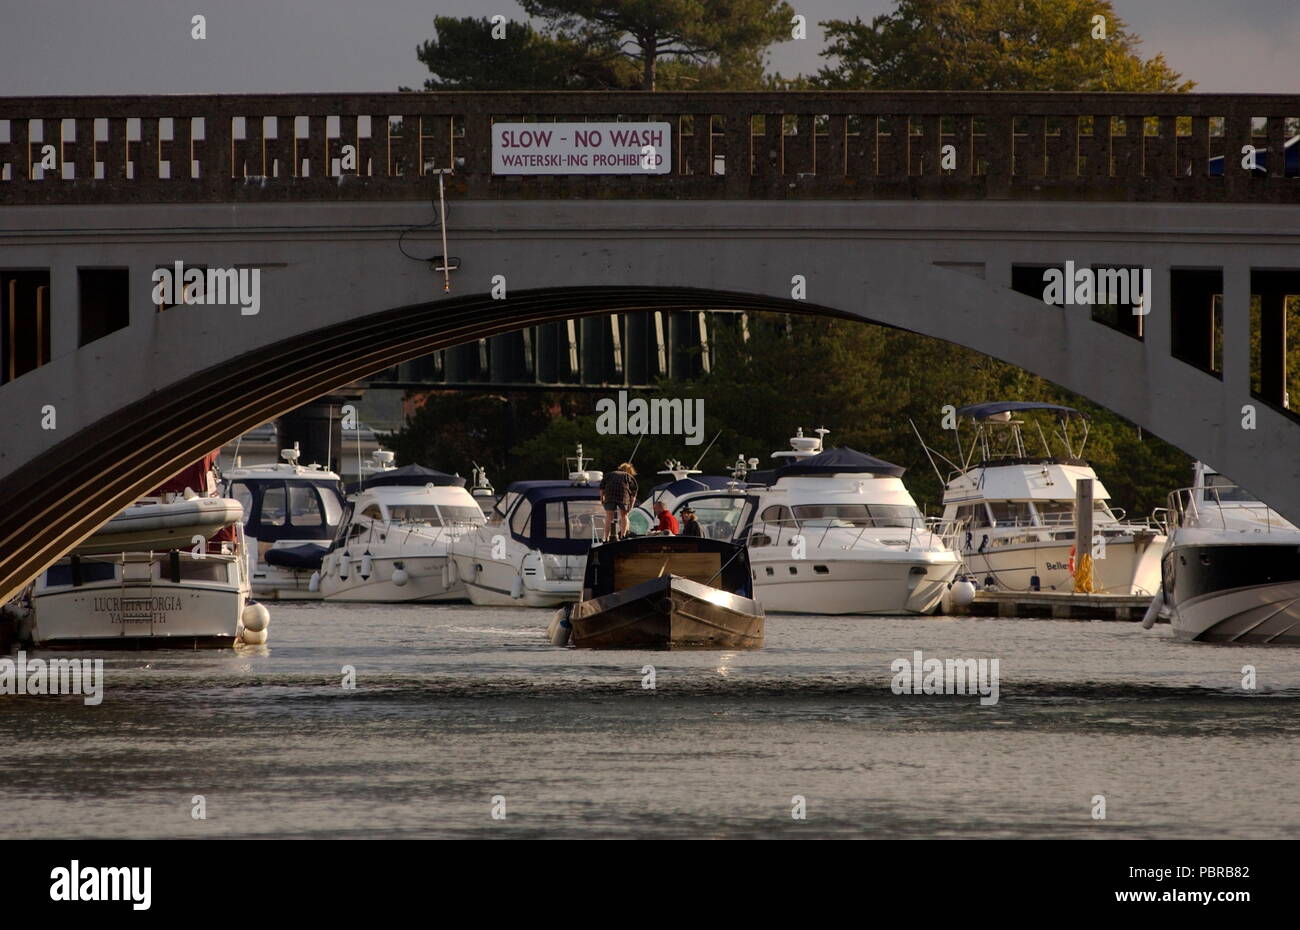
<point x="299" y="46"/>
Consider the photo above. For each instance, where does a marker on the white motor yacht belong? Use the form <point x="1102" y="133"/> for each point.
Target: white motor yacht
<point x="292" y="512"/>
<point x="829" y="531"/>
<point x="533" y="549"/>
<point x="1016" y="510"/>
<point x="396" y="537"/>
<point x="168" y="572"/>
<point x="1231" y="567"/>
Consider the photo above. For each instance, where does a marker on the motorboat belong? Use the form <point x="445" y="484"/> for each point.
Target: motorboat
<point x="394" y="542"/>
<point x="1231" y="567"/>
<point x="663" y="592"/>
<point x="533" y="548"/>
<point x="829" y="531"/>
<point x="292" y="513"/>
<point x="170" y="571"/>
<point x="1016" y="508"/>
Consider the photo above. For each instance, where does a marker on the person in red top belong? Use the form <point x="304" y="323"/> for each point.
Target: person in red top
<point x="667" y="522"/>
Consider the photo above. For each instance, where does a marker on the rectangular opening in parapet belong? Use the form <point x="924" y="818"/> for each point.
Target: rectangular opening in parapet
<point x="1274" y="335"/>
<point x="104" y="298"/>
<point x="1196" y="318"/>
<point x="24" y="321"/>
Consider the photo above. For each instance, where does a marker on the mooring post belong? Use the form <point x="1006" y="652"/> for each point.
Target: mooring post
<point x="1083" y="536"/>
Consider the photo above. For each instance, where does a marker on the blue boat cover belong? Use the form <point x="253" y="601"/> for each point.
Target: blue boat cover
<point x="840" y="460"/>
<point x="299" y="558"/>
<point x="691" y="484"/>
<point x="992" y="408"/>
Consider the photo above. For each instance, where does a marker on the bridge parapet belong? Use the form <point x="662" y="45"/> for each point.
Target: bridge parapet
<point x="790" y="145"/>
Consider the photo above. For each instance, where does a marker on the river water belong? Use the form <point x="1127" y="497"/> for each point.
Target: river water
<point x="455" y="706"/>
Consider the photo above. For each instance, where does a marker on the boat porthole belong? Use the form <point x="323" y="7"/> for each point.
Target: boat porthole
<point x="770" y="570"/>
<point x="793" y="570"/>
<point x="821" y="569"/>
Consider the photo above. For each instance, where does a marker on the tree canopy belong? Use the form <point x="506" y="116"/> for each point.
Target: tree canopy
<point x="1013" y="45"/>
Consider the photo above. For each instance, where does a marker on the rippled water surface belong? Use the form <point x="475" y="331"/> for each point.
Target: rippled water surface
<point x="454" y="705"/>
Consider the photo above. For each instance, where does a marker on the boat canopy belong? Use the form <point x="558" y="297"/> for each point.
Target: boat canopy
<point x="839" y="461"/>
<point x="409" y="475"/>
<point x="993" y="408"/>
<point x="553" y="526"/>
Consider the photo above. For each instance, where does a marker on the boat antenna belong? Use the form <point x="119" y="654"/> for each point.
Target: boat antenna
<point x="329" y="440"/>
<point x="361" y="478"/>
<point x="632" y="458"/>
<point x="927" y="450"/>
<point x="705" y="452"/>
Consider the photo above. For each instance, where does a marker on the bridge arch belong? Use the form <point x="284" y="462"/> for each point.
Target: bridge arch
<point x="340" y="302"/>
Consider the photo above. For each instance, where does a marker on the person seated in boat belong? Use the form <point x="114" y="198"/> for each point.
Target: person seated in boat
<point x="667" y="522"/>
<point x="618" y="497"/>
<point x="690" y="525"/>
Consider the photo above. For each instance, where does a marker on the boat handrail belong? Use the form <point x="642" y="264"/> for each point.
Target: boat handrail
<point x="944" y="531"/>
<point x="1184" y="511"/>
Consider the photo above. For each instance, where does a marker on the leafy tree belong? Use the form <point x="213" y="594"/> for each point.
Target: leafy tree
<point x="703" y="33"/>
<point x="463" y="55"/>
<point x="1013" y="45"/>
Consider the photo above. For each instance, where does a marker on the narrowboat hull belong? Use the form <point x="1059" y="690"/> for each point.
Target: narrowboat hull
<point x="669" y="612"/>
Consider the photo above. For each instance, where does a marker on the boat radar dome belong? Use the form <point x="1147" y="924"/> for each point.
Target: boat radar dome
<point x="801" y="446"/>
<point x="383" y="458"/>
<point x="291" y="455"/>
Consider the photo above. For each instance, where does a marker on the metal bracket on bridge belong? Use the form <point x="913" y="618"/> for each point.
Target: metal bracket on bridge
<point x="448" y="265"/>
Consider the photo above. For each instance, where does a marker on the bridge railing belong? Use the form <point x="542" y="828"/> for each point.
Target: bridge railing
<point x="856" y="145"/>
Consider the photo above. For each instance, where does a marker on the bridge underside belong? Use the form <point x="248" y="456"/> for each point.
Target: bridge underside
<point x="140" y="402"/>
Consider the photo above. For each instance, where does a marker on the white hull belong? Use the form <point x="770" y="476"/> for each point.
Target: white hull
<point x="492" y="583"/>
<point x="272" y="582"/>
<point x="427" y="580"/>
<point x="850" y="586"/>
<point x="1126" y="569"/>
<point x="1259" y="614"/>
<point x="141" y="615"/>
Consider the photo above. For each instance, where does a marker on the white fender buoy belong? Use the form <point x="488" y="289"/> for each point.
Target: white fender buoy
<point x="367" y="567"/>
<point x="314" y="584"/>
<point x="344" y="565"/>
<point x="249" y="638"/>
<point x="1153" y="610"/>
<point x="453" y="572"/>
<point x="255" y="617"/>
<point x="517" y="587"/>
<point x="963" y="593"/>
<point x="400" y="577"/>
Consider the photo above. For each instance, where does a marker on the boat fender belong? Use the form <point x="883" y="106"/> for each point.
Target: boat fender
<point x="1153" y="610"/>
<point x="344" y="566"/>
<point x="453" y="572"/>
<point x="255" y="617"/>
<point x="249" y="638"/>
<point x="367" y="567"/>
<point x="561" y="629"/>
<point x="314" y="584"/>
<point x="400" y="577"/>
<point x="963" y="593"/>
<point x="517" y="587"/>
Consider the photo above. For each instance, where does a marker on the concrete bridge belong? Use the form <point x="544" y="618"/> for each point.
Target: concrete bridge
<point x="105" y="392"/>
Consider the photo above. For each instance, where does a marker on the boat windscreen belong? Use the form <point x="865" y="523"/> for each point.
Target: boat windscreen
<point x="868" y="515"/>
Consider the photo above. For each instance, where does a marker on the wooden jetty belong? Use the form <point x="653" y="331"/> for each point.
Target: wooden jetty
<point x="1056" y="605"/>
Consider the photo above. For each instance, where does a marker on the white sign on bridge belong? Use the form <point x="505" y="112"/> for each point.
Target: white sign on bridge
<point x="581" y="148"/>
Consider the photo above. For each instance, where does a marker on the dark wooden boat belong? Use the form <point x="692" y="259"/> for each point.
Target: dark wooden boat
<point x="664" y="592"/>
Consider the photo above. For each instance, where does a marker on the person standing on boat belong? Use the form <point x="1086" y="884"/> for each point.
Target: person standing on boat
<point x="618" y="497"/>
<point x="667" y="522"/>
<point x="690" y="525"/>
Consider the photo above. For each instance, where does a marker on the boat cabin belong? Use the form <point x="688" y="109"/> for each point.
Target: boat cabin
<point x="622" y="565"/>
